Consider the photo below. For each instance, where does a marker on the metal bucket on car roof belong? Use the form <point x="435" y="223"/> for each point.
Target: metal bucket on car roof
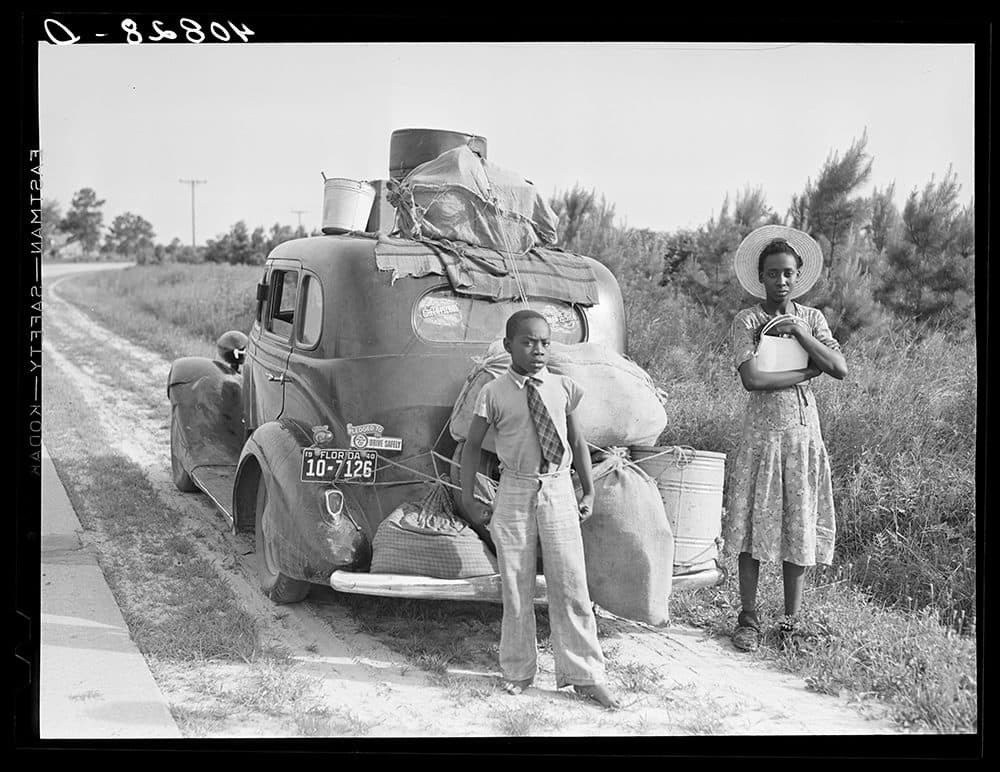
<point x="346" y="204"/>
<point x="690" y="483"/>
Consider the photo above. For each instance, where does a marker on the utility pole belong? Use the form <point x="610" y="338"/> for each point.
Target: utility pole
<point x="300" y="212"/>
<point x="192" y="183"/>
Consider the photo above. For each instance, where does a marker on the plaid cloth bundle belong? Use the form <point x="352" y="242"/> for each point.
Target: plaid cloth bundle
<point x="427" y="539"/>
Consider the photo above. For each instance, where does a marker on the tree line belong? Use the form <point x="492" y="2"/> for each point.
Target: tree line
<point x="880" y="263"/>
<point x="77" y="235"/>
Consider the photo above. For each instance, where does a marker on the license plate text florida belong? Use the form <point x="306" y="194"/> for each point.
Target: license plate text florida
<point x="331" y="464"/>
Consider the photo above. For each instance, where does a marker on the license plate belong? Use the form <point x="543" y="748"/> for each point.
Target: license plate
<point x="332" y="464"/>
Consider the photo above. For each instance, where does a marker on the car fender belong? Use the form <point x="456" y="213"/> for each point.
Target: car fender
<point x="206" y="401"/>
<point x="316" y="532"/>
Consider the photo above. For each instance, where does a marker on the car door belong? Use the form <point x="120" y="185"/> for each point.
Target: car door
<point x="307" y="389"/>
<point x="270" y="348"/>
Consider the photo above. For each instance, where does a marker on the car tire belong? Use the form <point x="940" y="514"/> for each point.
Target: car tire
<point x="277" y="586"/>
<point x="181" y="478"/>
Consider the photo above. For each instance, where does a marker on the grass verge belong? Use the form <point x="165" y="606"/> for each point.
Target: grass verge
<point x="182" y="615"/>
<point x="919" y="671"/>
<point x="177" y="309"/>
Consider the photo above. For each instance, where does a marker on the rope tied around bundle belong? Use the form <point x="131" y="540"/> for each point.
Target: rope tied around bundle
<point x="683" y="455"/>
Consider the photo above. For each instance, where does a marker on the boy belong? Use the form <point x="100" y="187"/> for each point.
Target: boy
<point x="537" y="437"/>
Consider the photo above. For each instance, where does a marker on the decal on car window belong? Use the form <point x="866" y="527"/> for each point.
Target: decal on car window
<point x="441" y="311"/>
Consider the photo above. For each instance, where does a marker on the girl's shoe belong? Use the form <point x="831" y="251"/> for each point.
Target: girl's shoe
<point x="791" y="635"/>
<point x="746" y="636"/>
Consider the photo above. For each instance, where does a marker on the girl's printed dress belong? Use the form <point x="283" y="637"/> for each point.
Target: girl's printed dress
<point x="779" y="495"/>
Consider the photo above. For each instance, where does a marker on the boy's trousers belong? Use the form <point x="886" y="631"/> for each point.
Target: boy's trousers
<point x="529" y="509"/>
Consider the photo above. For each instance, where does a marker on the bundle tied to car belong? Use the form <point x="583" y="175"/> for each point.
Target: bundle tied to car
<point x="426" y="539"/>
<point x="460" y="196"/>
<point x="621" y="404"/>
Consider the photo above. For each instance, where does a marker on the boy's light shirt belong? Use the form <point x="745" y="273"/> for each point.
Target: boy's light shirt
<point x="504" y="406"/>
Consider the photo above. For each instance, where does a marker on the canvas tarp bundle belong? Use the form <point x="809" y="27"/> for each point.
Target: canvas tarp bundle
<point x="486" y="273"/>
<point x="460" y="196"/>
<point x="621" y="405"/>
<point x="427" y="539"/>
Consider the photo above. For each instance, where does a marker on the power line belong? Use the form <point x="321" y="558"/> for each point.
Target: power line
<point x="300" y="212"/>
<point x="192" y="183"/>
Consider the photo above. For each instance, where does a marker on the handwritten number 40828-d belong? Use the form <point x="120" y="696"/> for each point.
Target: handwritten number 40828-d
<point x="193" y="31"/>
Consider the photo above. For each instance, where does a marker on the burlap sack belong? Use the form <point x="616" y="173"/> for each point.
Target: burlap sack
<point x="628" y="544"/>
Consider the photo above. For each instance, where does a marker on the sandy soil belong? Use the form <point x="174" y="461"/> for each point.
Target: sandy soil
<point x="706" y="686"/>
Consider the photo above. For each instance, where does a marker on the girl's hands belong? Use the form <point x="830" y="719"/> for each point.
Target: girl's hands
<point x="792" y="325"/>
<point x="586" y="506"/>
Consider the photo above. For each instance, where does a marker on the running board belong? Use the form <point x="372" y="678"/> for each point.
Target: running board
<point x="217" y="483"/>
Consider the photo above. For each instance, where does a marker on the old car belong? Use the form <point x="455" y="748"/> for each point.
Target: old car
<point x="333" y="408"/>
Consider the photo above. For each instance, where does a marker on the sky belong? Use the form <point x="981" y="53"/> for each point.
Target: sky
<point x="664" y="131"/>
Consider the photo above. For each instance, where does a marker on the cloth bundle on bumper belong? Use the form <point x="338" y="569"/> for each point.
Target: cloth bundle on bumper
<point x="627" y="543"/>
<point x="620" y="404"/>
<point x="426" y="539"/>
<point x="460" y="196"/>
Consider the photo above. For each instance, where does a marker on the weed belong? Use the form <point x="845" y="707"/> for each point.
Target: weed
<point x="273" y="688"/>
<point x="463" y="690"/>
<point x="433" y="663"/>
<point x="522" y="721"/>
<point x="338" y="722"/>
<point x="640" y="725"/>
<point x="276" y="655"/>
<point x="198" y="722"/>
<point x="178" y="545"/>
<point x="636" y="676"/>
<point x="312" y="648"/>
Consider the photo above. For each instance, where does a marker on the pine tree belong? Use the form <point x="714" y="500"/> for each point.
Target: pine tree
<point x="825" y="209"/>
<point x="51" y="231"/>
<point x="130" y="236"/>
<point x="883" y="220"/>
<point x="847" y="297"/>
<point x="933" y="262"/>
<point x="84" y="218"/>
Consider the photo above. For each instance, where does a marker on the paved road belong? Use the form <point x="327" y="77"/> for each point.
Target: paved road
<point x="93" y="681"/>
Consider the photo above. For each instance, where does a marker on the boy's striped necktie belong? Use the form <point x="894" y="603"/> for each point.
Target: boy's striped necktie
<point x="548" y="437"/>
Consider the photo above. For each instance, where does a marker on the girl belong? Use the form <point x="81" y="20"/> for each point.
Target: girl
<point x="779" y="497"/>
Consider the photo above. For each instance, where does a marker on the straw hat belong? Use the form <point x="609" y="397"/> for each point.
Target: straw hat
<point x="748" y="253"/>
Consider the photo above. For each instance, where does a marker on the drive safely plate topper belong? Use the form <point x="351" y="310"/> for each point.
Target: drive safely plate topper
<point x="369" y="437"/>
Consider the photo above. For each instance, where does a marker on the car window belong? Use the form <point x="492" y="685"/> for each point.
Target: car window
<point x="281" y="310"/>
<point x="442" y="316"/>
<point x="312" y="311"/>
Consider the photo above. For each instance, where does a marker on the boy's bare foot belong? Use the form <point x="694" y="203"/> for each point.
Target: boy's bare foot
<point x="599" y="694"/>
<point x="516" y="687"/>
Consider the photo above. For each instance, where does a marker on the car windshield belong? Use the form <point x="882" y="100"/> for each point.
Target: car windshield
<point x="442" y="316"/>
